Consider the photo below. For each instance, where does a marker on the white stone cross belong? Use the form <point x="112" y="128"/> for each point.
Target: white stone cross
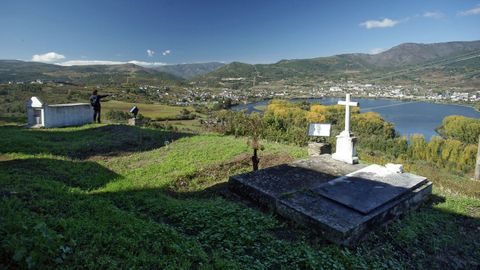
<point x="347" y="104"/>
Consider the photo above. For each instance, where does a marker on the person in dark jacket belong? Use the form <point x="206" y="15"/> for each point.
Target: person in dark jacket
<point x="95" y="102"/>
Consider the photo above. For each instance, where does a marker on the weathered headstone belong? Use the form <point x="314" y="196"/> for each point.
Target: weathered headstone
<point x="345" y="148"/>
<point x="318" y="130"/>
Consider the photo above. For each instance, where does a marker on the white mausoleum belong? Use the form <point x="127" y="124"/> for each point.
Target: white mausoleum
<point x="59" y="115"/>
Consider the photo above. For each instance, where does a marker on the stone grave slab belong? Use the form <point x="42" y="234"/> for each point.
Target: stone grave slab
<point x="267" y="185"/>
<point x="321" y="193"/>
<point x="369" y="188"/>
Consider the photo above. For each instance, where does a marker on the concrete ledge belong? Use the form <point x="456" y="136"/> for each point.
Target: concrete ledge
<point x="342" y="225"/>
<point x="291" y="190"/>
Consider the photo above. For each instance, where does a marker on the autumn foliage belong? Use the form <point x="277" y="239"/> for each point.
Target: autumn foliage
<point x="287" y="122"/>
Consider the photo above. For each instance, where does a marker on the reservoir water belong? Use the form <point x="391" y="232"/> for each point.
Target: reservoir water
<point x="409" y="117"/>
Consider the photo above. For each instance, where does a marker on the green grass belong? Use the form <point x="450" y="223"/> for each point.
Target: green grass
<point x="187" y="125"/>
<point x="109" y="197"/>
<point x="149" y="110"/>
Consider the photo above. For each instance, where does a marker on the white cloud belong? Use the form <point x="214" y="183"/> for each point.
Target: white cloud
<point x="379" y="24"/>
<point x="142" y="63"/>
<point x="48" y="57"/>
<point x="433" y="14"/>
<point x="150" y="53"/>
<point x="376" y="50"/>
<point x="166" y="52"/>
<point x="473" y="11"/>
<point x="89" y="62"/>
<point x="107" y="62"/>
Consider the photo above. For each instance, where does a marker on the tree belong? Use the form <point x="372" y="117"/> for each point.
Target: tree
<point x="317" y="114"/>
<point x="467" y="158"/>
<point x="460" y="128"/>
<point x="451" y="152"/>
<point x="434" y="149"/>
<point x="372" y="124"/>
<point x="417" y="149"/>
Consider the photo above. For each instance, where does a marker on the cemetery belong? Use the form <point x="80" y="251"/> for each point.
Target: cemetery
<point x="240" y="135"/>
<point x="112" y="195"/>
<point x="40" y="114"/>
<point x="332" y="194"/>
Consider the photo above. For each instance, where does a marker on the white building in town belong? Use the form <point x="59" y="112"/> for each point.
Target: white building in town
<point x="40" y="114"/>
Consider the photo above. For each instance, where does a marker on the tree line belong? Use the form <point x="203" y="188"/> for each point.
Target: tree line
<point x="287" y="122"/>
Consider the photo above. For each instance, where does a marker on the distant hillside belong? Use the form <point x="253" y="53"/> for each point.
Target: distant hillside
<point x="188" y="71"/>
<point x="14" y="70"/>
<point x="409" y="61"/>
<point x="448" y="64"/>
<point x="414" y="53"/>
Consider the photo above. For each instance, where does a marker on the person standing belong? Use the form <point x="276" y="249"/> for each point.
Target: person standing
<point x="95" y="102"/>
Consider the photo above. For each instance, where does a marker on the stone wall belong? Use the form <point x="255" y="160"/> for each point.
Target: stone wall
<point x="63" y="115"/>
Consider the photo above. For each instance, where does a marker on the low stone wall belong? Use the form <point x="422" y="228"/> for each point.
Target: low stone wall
<point x="64" y="115"/>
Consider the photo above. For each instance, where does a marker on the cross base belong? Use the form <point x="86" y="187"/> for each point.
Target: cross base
<point x="345" y="148"/>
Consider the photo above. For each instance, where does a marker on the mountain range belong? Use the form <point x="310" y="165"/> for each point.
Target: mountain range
<point x="408" y="61"/>
<point x="452" y="63"/>
<point x="16" y="70"/>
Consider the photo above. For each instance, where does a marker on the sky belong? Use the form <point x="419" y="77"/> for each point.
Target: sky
<point x="173" y="32"/>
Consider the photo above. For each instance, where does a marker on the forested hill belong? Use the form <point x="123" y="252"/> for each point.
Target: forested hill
<point x="408" y="61"/>
<point x="15" y="70"/>
<point x="189" y="71"/>
<point x="448" y="64"/>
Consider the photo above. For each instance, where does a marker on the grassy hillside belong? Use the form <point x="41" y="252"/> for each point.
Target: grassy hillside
<point x="153" y="111"/>
<point x="112" y="196"/>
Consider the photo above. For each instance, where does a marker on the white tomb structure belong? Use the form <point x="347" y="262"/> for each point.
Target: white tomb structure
<point x="345" y="148"/>
<point x="40" y="114"/>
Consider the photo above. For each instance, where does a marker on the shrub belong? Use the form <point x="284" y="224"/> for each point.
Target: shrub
<point x="464" y="129"/>
<point x="116" y="115"/>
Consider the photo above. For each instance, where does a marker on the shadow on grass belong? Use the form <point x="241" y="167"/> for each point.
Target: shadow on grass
<point x="86" y="175"/>
<point x="429" y="237"/>
<point x="13" y="120"/>
<point x="45" y="224"/>
<point x="435" y="236"/>
<point x="80" y="143"/>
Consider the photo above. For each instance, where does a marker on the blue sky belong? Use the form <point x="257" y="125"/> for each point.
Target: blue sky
<point x="76" y="32"/>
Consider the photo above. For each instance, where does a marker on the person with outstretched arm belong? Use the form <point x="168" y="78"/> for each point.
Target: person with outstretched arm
<point x="95" y="102"/>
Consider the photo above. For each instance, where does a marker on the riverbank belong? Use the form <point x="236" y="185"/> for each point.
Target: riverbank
<point x="410" y="116"/>
<point x="446" y="102"/>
